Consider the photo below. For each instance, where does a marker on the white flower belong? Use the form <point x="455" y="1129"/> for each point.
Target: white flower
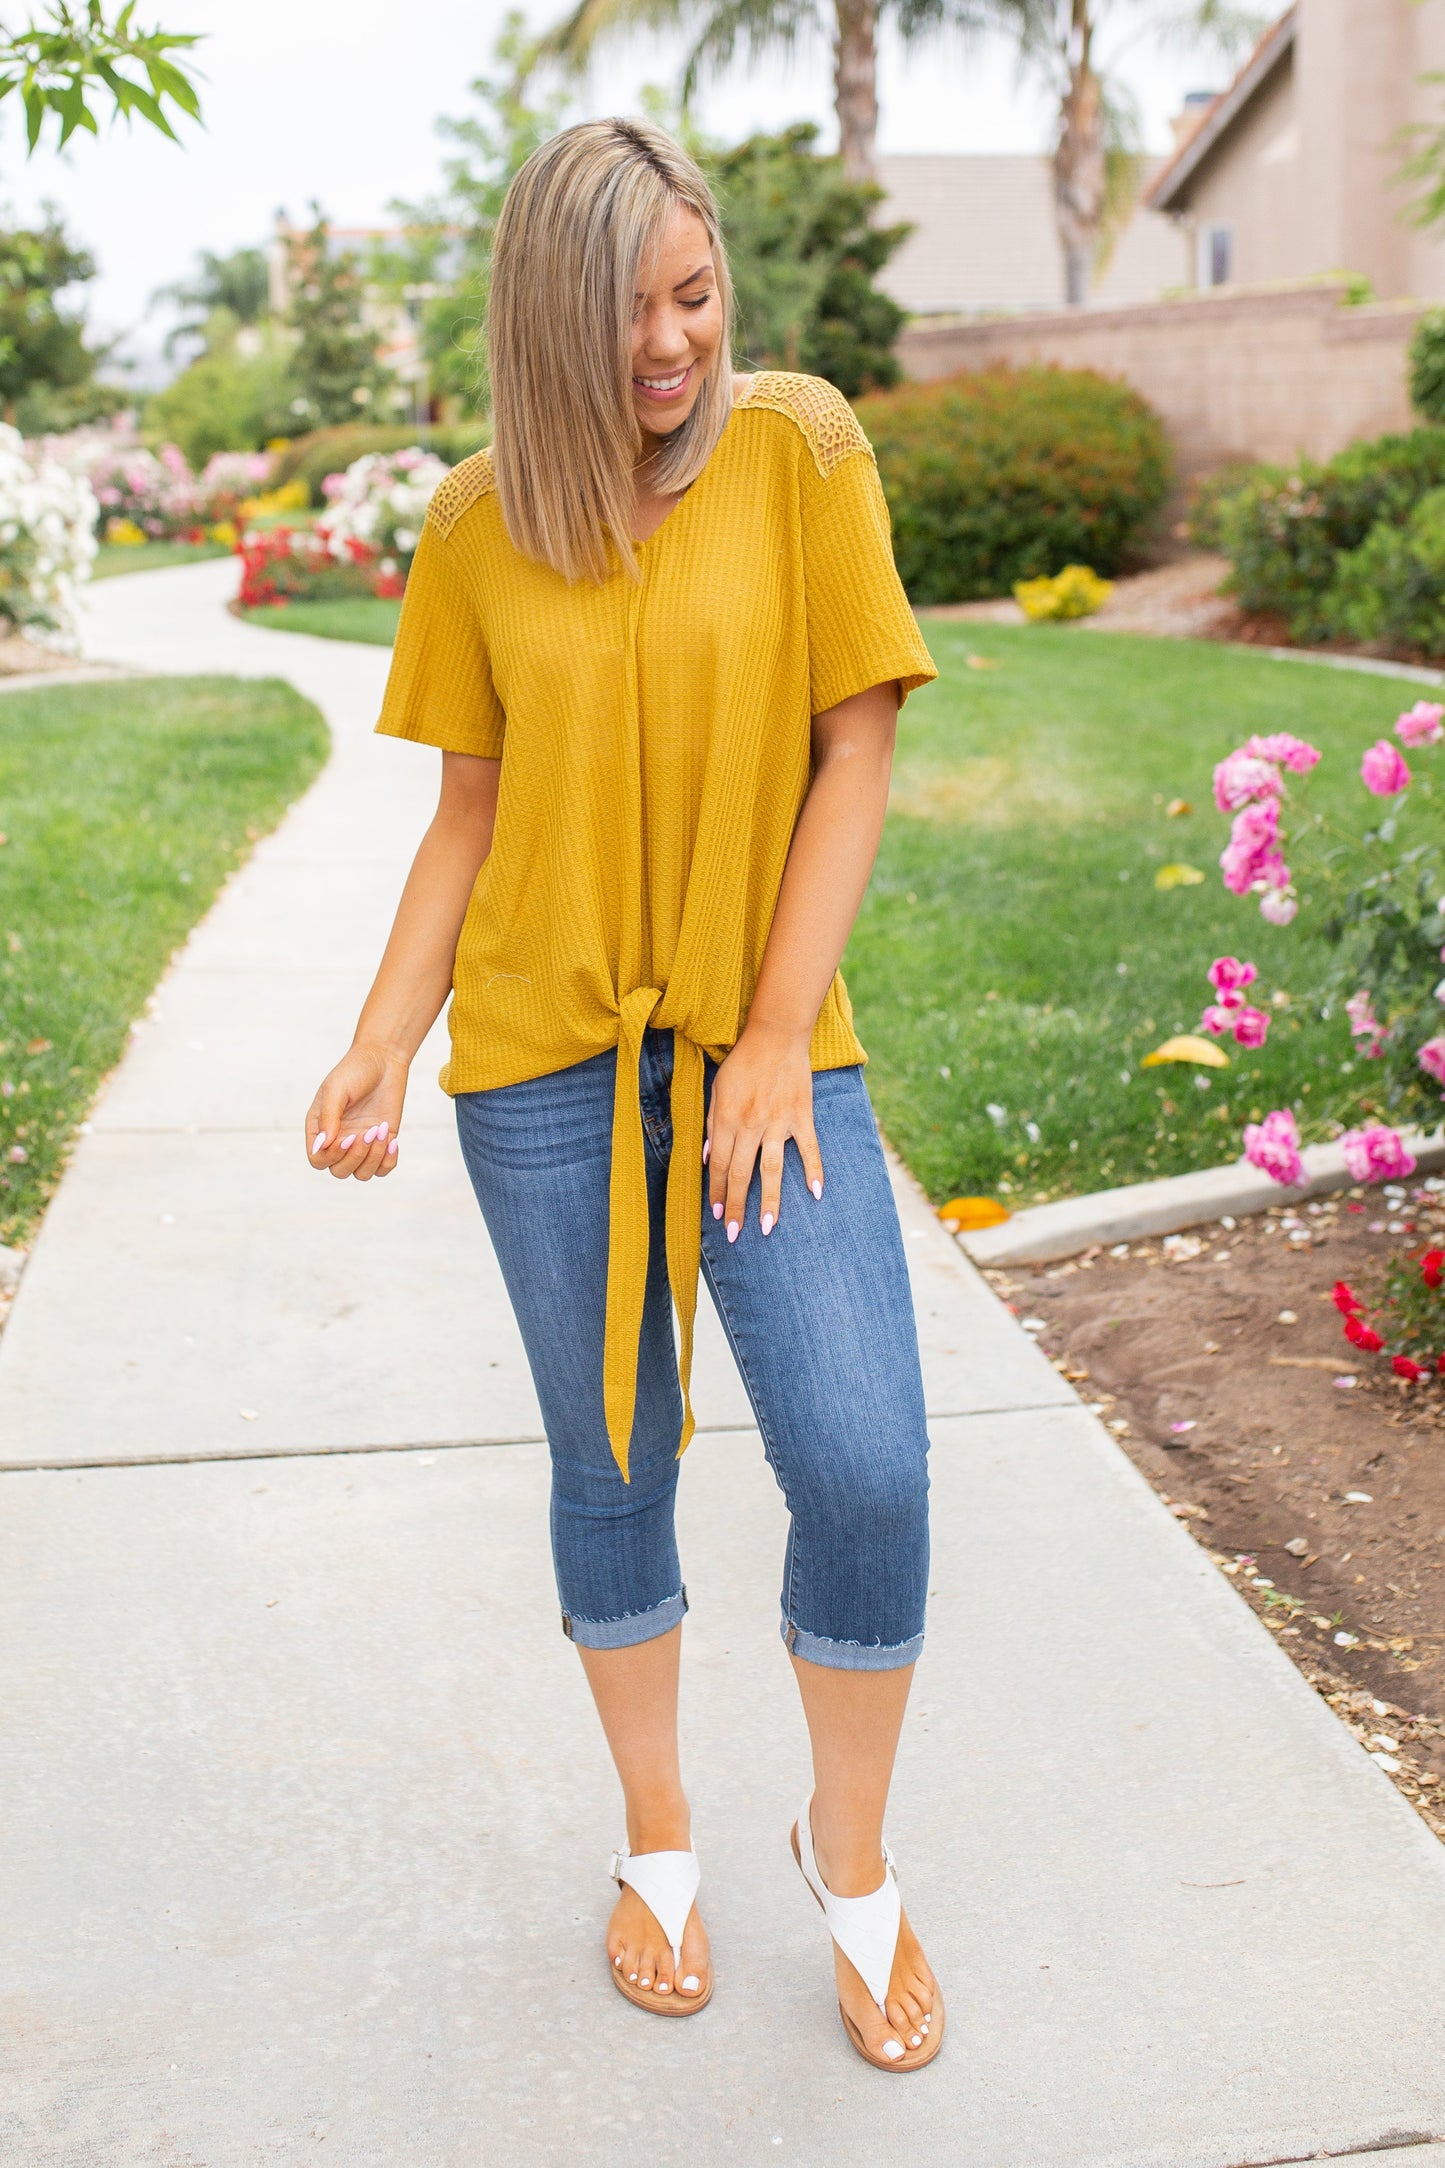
<point x="48" y="515"/>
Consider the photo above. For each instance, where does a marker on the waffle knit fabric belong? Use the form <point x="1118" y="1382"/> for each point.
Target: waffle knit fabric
<point x="655" y="745"/>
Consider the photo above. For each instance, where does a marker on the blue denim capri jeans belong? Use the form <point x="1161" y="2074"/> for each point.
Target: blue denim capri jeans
<point x="820" y="1320"/>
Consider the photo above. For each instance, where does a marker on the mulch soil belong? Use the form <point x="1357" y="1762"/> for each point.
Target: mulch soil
<point x="1313" y="1476"/>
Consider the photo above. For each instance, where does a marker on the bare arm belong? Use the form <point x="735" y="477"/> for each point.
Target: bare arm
<point x="763" y="1092"/>
<point x="352" y="1124"/>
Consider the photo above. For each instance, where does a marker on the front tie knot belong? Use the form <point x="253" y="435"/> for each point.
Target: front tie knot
<point x="629" y="1227"/>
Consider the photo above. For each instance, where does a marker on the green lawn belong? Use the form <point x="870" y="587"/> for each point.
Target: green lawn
<point x="124" y="808"/>
<point x="1013" y="948"/>
<point x="354" y="617"/>
<point x="114" y="557"/>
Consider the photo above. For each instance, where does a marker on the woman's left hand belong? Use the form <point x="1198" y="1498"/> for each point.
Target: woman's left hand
<point x="762" y="1095"/>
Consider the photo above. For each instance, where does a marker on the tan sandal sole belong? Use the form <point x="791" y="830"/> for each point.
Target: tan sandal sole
<point x="674" y="2005"/>
<point x="912" y="2058"/>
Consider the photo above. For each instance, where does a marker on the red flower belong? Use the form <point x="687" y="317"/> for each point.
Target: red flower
<point x="1404" y="1368"/>
<point x="1362" y="1336"/>
<point x="1432" y="1265"/>
<point x="1345" y="1300"/>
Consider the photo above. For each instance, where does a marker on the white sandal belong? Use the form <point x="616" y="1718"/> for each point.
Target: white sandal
<point x="866" y="1931"/>
<point x="667" y="1883"/>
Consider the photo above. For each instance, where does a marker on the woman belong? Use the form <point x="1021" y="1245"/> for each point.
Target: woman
<point x="657" y="634"/>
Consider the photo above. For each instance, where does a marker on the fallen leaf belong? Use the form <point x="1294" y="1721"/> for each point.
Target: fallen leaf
<point x="1178" y="876"/>
<point x="1175" y="807"/>
<point x="984" y="662"/>
<point x="38" y="1046"/>
<point x="970" y="1212"/>
<point x="1188" y="1047"/>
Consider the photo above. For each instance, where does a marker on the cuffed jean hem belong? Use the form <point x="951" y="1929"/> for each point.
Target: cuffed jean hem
<point x="850" y="1655"/>
<point x="629" y="1632"/>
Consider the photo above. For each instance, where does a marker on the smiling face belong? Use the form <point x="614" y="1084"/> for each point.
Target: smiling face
<point x="677" y="327"/>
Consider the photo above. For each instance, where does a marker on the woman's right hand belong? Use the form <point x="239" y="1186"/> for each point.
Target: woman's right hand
<point x="353" y="1122"/>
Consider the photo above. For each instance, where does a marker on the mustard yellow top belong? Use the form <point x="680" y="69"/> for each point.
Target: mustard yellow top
<point x="654" y="737"/>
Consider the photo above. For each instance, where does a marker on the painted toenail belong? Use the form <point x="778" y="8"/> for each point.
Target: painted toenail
<point x="917" y="2040"/>
<point x="646" y="1980"/>
<point x="893" y="2049"/>
<point x="632" y="1976"/>
<point x="663" y="1988"/>
<point x="691" y="1984"/>
<point x="617" y="1960"/>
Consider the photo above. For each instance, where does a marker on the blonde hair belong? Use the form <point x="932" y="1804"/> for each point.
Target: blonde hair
<point x="580" y="222"/>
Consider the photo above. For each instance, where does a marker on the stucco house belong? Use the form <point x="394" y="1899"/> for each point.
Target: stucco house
<point x="1294" y="170"/>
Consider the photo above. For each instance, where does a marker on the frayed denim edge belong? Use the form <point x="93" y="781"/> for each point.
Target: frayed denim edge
<point x="628" y="1632"/>
<point x="850" y="1655"/>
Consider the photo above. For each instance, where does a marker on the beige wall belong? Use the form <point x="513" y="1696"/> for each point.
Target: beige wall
<point x="1233" y="375"/>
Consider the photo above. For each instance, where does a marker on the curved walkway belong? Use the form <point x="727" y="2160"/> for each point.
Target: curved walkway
<point x="307" y="1813"/>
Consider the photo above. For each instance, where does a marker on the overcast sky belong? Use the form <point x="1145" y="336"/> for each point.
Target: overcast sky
<point x="338" y="100"/>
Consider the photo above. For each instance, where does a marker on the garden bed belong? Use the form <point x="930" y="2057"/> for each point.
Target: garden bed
<point x="1216" y="1360"/>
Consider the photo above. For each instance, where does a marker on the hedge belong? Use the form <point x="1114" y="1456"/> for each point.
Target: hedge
<point x="327" y="451"/>
<point x="1288" y="530"/>
<point x="1011" y="474"/>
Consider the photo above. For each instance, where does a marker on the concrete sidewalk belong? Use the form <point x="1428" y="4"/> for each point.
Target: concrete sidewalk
<point x="307" y="1813"/>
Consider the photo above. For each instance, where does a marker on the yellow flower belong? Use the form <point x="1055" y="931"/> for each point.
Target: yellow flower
<point x="125" y="532"/>
<point x="1077" y="591"/>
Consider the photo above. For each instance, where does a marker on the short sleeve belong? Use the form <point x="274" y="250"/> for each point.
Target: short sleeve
<point x="440" y="690"/>
<point x="861" y="631"/>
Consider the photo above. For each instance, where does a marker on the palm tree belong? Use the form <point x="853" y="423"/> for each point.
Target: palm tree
<point x="1059" y="39"/>
<point x="720" y="27"/>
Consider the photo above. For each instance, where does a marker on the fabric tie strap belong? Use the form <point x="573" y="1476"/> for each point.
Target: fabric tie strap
<point x="629" y="1230"/>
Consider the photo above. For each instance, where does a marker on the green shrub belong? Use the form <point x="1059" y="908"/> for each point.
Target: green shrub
<point x="1005" y="475"/>
<point x="1207" y="496"/>
<point x="1286" y="530"/>
<point x="328" y="451"/>
<point x="224" y="402"/>
<point x="1391" y="590"/>
<point x="1427" y="366"/>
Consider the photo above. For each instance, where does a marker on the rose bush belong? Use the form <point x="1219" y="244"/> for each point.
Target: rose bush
<point x="47" y="542"/>
<point x="363" y="544"/>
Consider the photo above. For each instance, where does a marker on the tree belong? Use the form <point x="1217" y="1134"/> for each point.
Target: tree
<point x="228" y="400"/>
<point x="239" y="284"/>
<point x="58" y="63"/>
<point x="720" y="27"/>
<point x="338" y="375"/>
<point x="443" y="267"/>
<point x="47" y="369"/>
<point x="1059" y="39"/>
<point x="804" y="256"/>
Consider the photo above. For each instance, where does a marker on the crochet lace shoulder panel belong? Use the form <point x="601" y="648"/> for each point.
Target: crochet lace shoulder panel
<point x="832" y="429"/>
<point x="462" y="487"/>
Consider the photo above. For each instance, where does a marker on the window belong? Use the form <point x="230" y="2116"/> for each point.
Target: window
<point x="1216" y="256"/>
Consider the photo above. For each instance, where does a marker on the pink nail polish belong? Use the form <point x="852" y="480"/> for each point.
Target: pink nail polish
<point x="319" y="1143"/>
<point x="707" y="1151"/>
<point x="347" y="1142"/>
<point x="732" y="1230"/>
<point x="717" y="1211"/>
<point x="767" y="1223"/>
<point x="371" y="1135"/>
<point x="392" y="1146"/>
<point x="381" y="1130"/>
<point x="817" y="1189"/>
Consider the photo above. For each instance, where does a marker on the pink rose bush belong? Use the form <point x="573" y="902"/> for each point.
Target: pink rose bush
<point x="1383" y="770"/>
<point x="1387" y="921"/>
<point x="1231" y="1013"/>
<point x="1273" y="1146"/>
<point x="1424" y="724"/>
<point x="1249" y="783"/>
